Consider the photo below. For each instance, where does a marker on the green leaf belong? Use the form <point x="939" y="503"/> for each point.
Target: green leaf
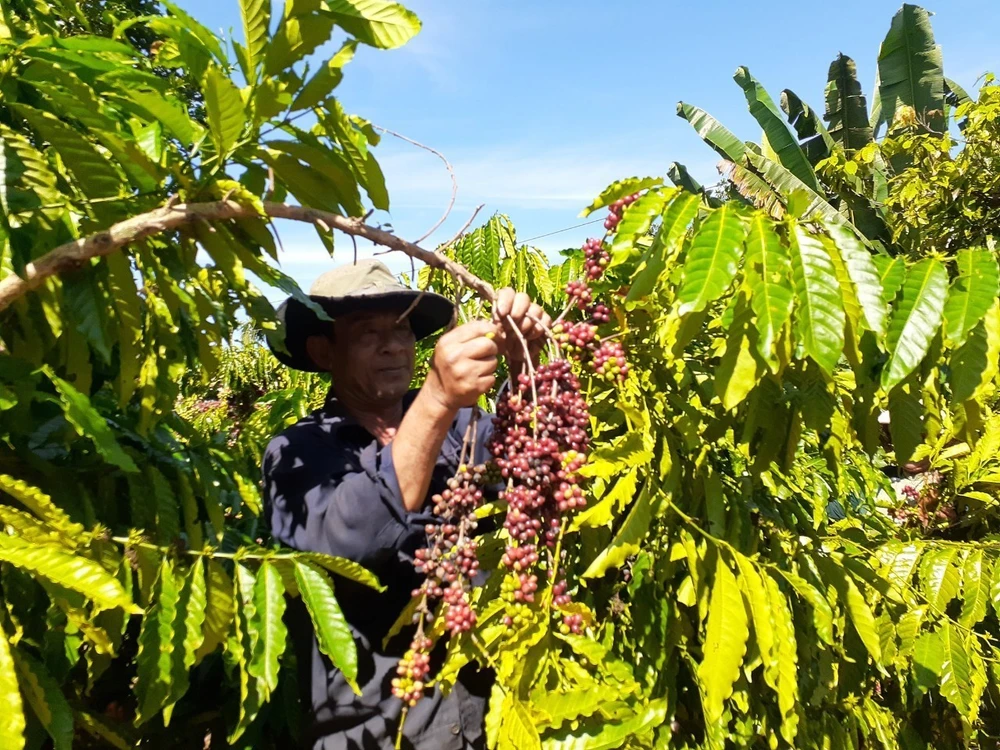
<point x="247" y="646"/>
<point x="362" y="162"/>
<point x="517" y="729"/>
<point x="862" y="617"/>
<point x="758" y="602"/>
<point x="607" y="734"/>
<point x="154" y="662"/>
<point x="956" y="672"/>
<point x="224" y="108"/>
<point x="636" y="221"/>
<point x="92" y="171"/>
<point x="778" y="137"/>
<point x="90" y="424"/>
<point x="787" y="185"/>
<point x="326" y="79"/>
<point x="41" y="505"/>
<point x="296" y="37"/>
<point x="939" y="574"/>
<point x="741" y="366"/>
<point x="674" y="223"/>
<point x="74" y="572"/>
<point x="820" y="313"/>
<point x="822" y="612"/>
<point x="559" y="706"/>
<point x="621" y="189"/>
<point x="786" y="657"/>
<point x="954" y="94"/>
<point x="626" y="541"/>
<point x="974" y="364"/>
<point x="768" y="278"/>
<point x="712" y="259"/>
<point x="168" y="522"/>
<point x="910" y="71"/>
<point x="846" y="108"/>
<point x="219" y="611"/>
<point x="375" y="22"/>
<point x="976" y="574"/>
<point x="865" y="277"/>
<point x="906" y="419"/>
<point x="332" y="633"/>
<point x="606" y="510"/>
<point x="725" y="143"/>
<point x="189" y="633"/>
<point x="891" y="275"/>
<point x="169" y="112"/>
<point x="916" y="319"/>
<point x="814" y="140"/>
<point x="972" y="293"/>
<point x="342" y="567"/>
<point x="725" y="642"/>
<point x="680" y="176"/>
<point x="269" y="608"/>
<point x="43" y="694"/>
<point x="256" y="15"/>
<point x="928" y="659"/>
<point x="13" y="724"/>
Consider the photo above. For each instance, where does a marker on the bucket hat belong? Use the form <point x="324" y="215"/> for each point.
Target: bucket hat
<point x="365" y="285"/>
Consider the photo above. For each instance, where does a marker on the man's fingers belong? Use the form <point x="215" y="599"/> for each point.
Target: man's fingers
<point x="521" y="305"/>
<point x="539" y="320"/>
<point x="469" y="331"/>
<point x="504" y="302"/>
<point x="480" y="348"/>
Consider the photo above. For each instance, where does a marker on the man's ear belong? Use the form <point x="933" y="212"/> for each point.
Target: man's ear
<point x="320" y="351"/>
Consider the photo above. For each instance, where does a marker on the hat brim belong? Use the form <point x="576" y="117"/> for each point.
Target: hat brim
<point x="432" y="313"/>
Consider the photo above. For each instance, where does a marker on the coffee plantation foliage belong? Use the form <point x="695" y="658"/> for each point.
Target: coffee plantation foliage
<point x="745" y="573"/>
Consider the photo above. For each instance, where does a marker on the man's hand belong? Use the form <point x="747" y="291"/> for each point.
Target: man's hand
<point x="516" y="310"/>
<point x="464" y="364"/>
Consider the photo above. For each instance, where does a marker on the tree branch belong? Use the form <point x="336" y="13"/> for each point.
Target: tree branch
<point x="74" y="255"/>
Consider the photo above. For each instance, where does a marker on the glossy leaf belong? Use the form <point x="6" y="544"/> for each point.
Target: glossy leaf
<point x="725" y="143"/>
<point x="819" y="312"/>
<point x="41" y="505"/>
<point x="768" y="275"/>
<point x="375" y="22"/>
<point x="256" y="15"/>
<point x="785" y="654"/>
<point x="633" y="530"/>
<point x="864" y="276"/>
<point x="90" y="424"/>
<point x="910" y="69"/>
<point x="332" y="634"/>
<point x="219" y="610"/>
<point x="862" y="618"/>
<point x="620" y="189"/>
<point x="517" y="732"/>
<point x="972" y="293"/>
<point x="41" y="691"/>
<point x="224" y="107"/>
<point x="636" y="221"/>
<point x="956" y="671"/>
<point x="939" y="574"/>
<point x="271" y="633"/>
<point x="976" y="581"/>
<point x="13" y="724"/>
<point x="741" y="366"/>
<point x="814" y="139"/>
<point x="712" y="260"/>
<point x="605" y="735"/>
<point x="326" y="79"/>
<point x="725" y="642"/>
<point x="74" y="572"/>
<point x="674" y="223"/>
<point x="785" y="146"/>
<point x="154" y="661"/>
<point x="915" y="320"/>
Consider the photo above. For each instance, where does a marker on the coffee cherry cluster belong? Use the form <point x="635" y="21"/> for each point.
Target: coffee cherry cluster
<point x="448" y="564"/>
<point x="539" y="443"/>
<point x="579" y="294"/>
<point x="617" y="209"/>
<point x="609" y="361"/>
<point x="411" y="674"/>
<point x="575" y="338"/>
<point x="597" y="258"/>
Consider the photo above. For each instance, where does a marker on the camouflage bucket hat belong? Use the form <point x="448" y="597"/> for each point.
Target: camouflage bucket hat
<point x="365" y="285"/>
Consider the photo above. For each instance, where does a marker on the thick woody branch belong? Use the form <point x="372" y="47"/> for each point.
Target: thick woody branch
<point x="77" y="254"/>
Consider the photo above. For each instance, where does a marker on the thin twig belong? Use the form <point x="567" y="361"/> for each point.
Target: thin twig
<point x="451" y="172"/>
<point x="458" y="235"/>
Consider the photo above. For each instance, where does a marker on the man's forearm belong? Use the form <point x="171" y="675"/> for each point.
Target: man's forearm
<point x="417" y="445"/>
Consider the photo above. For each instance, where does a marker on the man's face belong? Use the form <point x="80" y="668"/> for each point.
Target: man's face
<point x="372" y="357"/>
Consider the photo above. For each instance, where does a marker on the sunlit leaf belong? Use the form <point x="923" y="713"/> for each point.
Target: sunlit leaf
<point x="725" y="641"/>
<point x="916" y="319"/>
<point x="712" y="259"/>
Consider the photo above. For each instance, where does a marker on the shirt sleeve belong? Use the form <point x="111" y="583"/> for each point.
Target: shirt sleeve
<point x="330" y="504"/>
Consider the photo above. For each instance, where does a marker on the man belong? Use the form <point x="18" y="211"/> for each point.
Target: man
<point x="353" y="480"/>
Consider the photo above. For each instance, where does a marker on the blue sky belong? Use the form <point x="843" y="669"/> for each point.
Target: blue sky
<point x="540" y="105"/>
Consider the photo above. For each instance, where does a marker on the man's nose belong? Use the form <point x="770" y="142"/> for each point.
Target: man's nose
<point x="393" y="343"/>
